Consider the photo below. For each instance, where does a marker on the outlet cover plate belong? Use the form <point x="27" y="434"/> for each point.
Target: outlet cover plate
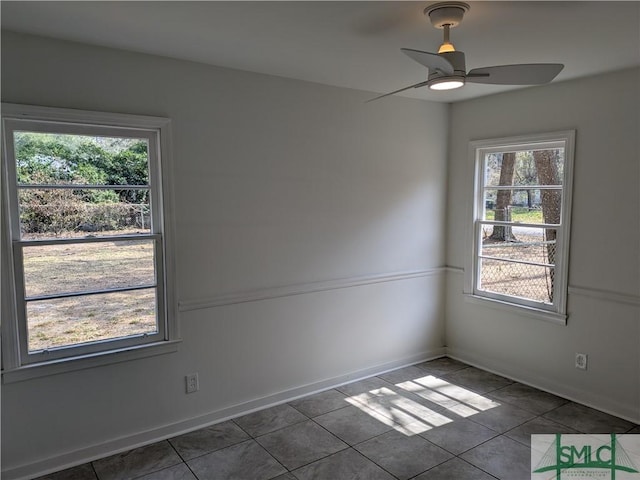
<point x="581" y="361"/>
<point x="192" y="383"/>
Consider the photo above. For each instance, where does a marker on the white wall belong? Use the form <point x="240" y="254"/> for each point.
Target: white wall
<point x="604" y="269"/>
<point x="278" y="183"/>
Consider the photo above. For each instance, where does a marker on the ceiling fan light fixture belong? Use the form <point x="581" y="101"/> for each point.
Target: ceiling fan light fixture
<point x="446" y="47"/>
<point x="446" y="83"/>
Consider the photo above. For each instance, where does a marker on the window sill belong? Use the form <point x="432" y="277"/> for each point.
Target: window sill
<point x="537" y="313"/>
<point x="36" y="370"/>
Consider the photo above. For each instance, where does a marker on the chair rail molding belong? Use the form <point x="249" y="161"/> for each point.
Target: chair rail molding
<point x="302" y="289"/>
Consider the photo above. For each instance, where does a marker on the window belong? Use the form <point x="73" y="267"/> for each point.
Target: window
<point x="85" y="208"/>
<point x="521" y="220"/>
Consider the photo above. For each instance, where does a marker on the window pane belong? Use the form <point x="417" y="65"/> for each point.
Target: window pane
<point x="504" y="272"/>
<point x="517" y="279"/>
<point x="531" y="167"/>
<point x="67" y="213"/>
<point x="55" y="159"/>
<point x="523" y="205"/>
<point x="90" y="318"/>
<point x="82" y="267"/>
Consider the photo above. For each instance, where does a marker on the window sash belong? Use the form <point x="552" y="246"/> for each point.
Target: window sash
<point x="555" y="305"/>
<point x="17" y="332"/>
<point x="479" y="150"/>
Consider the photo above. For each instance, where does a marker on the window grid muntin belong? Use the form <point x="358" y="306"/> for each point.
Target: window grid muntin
<point x="11" y="125"/>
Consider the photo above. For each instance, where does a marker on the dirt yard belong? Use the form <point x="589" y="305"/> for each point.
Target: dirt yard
<point x="62" y="269"/>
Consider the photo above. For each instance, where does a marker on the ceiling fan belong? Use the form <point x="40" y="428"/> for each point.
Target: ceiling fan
<point x="447" y="67"/>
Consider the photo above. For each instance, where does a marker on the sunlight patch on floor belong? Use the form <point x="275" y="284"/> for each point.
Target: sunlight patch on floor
<point x="410" y="417"/>
<point x="462" y="395"/>
<point x="399" y="412"/>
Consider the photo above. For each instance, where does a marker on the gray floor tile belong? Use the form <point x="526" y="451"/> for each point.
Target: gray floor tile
<point x="344" y="465"/>
<point x="244" y="461"/>
<point x="455" y="469"/>
<point x="403" y="374"/>
<point x="137" y="462"/>
<point x="401" y="455"/>
<point x="177" y="472"/>
<point x="528" y="398"/>
<point x="301" y="444"/>
<point x="363" y="386"/>
<point x="81" y="472"/>
<point x="459" y="436"/>
<point x="588" y="420"/>
<point x="270" y="419"/>
<point x="502" y="457"/>
<point x="320" y="403"/>
<point x="353" y="425"/>
<point x="538" y="425"/>
<point x="477" y="380"/>
<point x="502" y="418"/>
<point x="207" y="440"/>
<point x="442" y="366"/>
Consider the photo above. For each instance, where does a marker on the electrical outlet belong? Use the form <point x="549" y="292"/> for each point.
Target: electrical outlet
<point x="581" y="361"/>
<point x="193" y="385"/>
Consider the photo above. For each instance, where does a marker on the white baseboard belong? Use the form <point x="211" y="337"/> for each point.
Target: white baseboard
<point x="118" y="445"/>
<point x="588" y="398"/>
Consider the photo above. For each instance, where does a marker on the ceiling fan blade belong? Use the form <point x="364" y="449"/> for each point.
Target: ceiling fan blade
<point x="417" y="85"/>
<point x="432" y="61"/>
<point x="522" y="74"/>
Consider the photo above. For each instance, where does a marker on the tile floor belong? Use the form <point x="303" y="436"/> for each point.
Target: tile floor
<point x="439" y="420"/>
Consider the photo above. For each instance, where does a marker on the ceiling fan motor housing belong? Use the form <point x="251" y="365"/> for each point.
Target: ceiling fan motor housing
<point x="446" y="13"/>
<point x="456" y="59"/>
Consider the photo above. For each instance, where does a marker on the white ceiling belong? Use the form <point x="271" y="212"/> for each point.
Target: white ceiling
<point x="348" y="44"/>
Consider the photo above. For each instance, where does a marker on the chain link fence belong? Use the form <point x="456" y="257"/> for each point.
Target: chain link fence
<point x="522" y="268"/>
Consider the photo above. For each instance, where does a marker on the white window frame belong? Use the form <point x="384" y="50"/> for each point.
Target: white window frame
<point x="557" y="311"/>
<point x="17" y="362"/>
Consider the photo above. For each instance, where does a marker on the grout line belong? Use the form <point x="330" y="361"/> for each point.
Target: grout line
<point x="233" y="420"/>
<point x="374" y="462"/>
<point x="191" y="470"/>
<point x="477" y="467"/>
<point x="94" y="471"/>
<point x="271" y="455"/>
<point x="176" y="450"/>
<point x="321" y="458"/>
